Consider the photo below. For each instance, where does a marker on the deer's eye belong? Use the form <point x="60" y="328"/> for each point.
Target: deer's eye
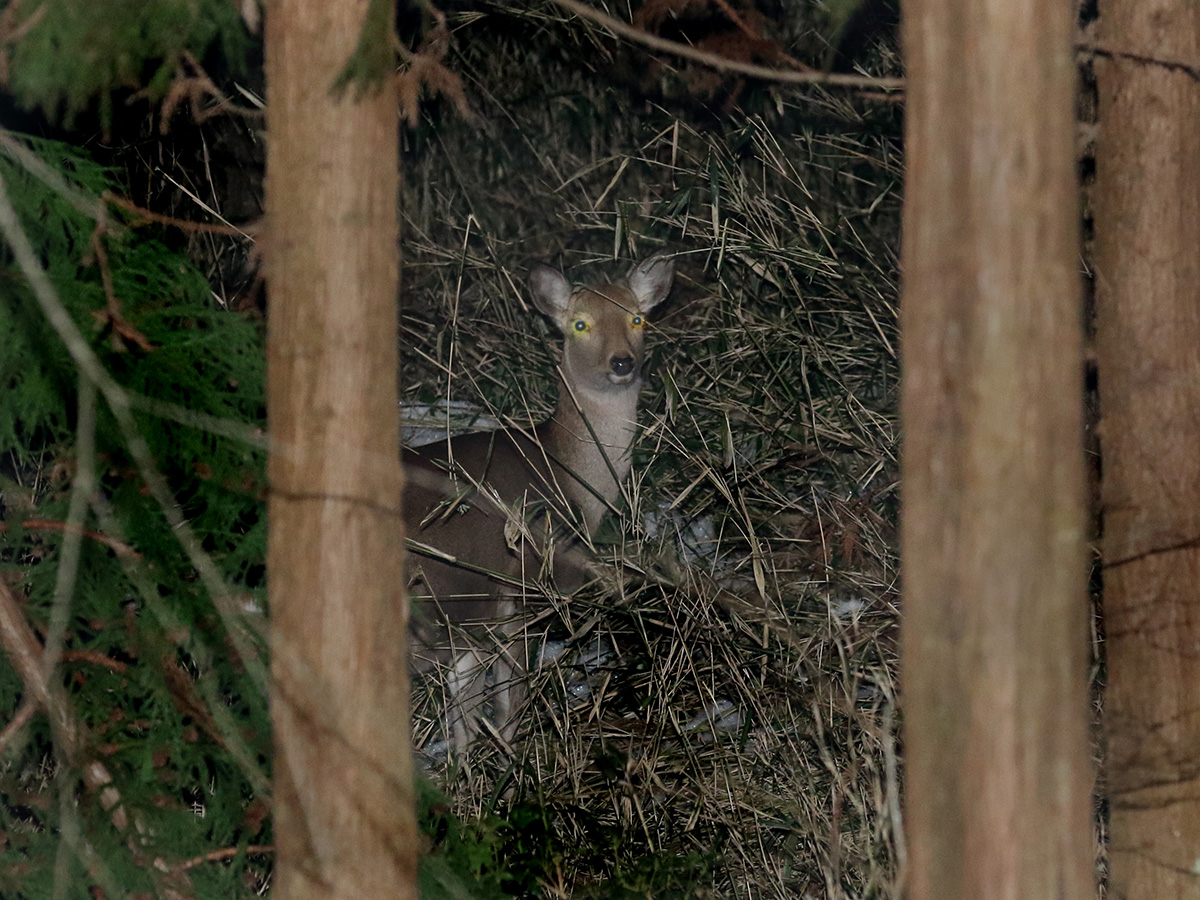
<point x="580" y="325"/>
<point x="636" y="321"/>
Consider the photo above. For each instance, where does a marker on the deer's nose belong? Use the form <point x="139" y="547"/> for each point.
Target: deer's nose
<point x="621" y="365"/>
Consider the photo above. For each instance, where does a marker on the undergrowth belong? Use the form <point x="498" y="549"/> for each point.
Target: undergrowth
<point x="737" y="703"/>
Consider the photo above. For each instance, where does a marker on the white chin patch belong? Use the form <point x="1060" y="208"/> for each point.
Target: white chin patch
<point x="620" y="379"/>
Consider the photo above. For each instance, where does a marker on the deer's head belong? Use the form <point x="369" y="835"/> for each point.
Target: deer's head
<point x="602" y="324"/>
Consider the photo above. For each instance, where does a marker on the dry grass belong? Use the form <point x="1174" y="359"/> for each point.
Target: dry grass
<point x="746" y="709"/>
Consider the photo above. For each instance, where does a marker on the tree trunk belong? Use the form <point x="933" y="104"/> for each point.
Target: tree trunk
<point x="994" y="636"/>
<point x="344" y="814"/>
<point x="1147" y="257"/>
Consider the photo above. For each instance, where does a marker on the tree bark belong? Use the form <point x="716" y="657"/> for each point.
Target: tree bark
<point x="343" y="803"/>
<point x="994" y="631"/>
<point x="1147" y="256"/>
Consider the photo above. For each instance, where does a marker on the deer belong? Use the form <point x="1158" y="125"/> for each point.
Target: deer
<point x="491" y="514"/>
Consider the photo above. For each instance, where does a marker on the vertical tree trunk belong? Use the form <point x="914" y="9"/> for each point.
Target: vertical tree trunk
<point x="344" y="816"/>
<point x="994" y="637"/>
<point x="1148" y="348"/>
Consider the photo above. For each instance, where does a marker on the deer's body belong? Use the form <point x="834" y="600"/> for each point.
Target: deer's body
<point x="511" y="506"/>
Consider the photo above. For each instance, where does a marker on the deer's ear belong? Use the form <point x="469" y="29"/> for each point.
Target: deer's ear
<point x="551" y="291"/>
<point x="650" y="281"/>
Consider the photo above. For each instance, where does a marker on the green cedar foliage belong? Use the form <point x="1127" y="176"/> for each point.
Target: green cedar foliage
<point x="78" y="50"/>
<point x="148" y="669"/>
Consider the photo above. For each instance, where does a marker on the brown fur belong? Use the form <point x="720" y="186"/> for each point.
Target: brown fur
<point x="514" y="507"/>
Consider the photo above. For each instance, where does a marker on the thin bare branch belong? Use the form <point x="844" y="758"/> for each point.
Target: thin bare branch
<point x="225" y="853"/>
<point x="783" y="76"/>
<point x="13" y="728"/>
<point x="81" y="490"/>
<point x="185" y="225"/>
<point x="99" y="537"/>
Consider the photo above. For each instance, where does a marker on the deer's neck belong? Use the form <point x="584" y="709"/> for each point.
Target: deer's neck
<point x="593" y="456"/>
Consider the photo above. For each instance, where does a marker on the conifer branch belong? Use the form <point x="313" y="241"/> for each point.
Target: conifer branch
<point x="49" y="176"/>
<point x="120" y="404"/>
